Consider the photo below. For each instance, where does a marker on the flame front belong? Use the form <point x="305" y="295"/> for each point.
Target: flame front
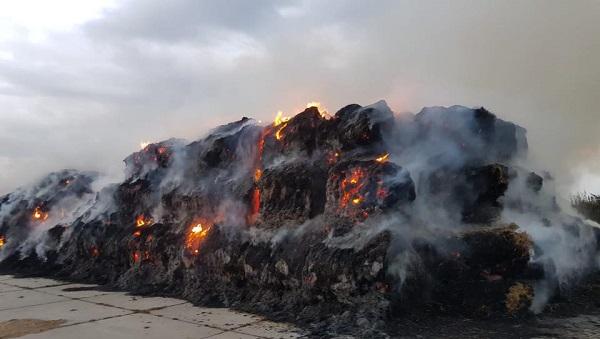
<point x="321" y="109"/>
<point x="198" y="232"/>
<point x="282" y="121"/>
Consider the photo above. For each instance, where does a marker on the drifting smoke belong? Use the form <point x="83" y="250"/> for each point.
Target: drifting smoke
<point x="416" y="199"/>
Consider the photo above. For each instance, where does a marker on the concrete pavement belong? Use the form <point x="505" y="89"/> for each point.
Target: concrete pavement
<point x="45" y="308"/>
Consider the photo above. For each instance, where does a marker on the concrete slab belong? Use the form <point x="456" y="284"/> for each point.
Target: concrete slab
<point x="81" y="311"/>
<point x="72" y="312"/>
<point x="130" y="326"/>
<point x="269" y="329"/>
<point x="73" y="290"/>
<point x="15" y="299"/>
<point x="135" y="303"/>
<point x="6" y="276"/>
<point x="222" y="318"/>
<point x="232" y="335"/>
<point x="32" y="282"/>
<point x="8" y="288"/>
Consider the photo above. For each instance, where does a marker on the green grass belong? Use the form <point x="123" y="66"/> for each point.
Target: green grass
<point x="588" y="205"/>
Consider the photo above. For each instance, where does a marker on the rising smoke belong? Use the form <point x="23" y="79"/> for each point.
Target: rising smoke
<point x="445" y="171"/>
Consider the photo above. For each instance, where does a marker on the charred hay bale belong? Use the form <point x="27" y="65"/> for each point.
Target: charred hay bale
<point x="150" y="158"/>
<point x="480" y="272"/>
<point x="485" y="273"/>
<point x="25" y="210"/>
<point x="356" y="188"/>
<point x="472" y="190"/>
<point x="227" y="146"/>
<point x="354" y="126"/>
<point x="292" y="192"/>
<point x="301" y="135"/>
<point x="534" y="182"/>
<point x="313" y="281"/>
<point x="478" y="134"/>
<point x="231" y="144"/>
<point x="133" y="197"/>
<point x="501" y="251"/>
<point x="484" y="186"/>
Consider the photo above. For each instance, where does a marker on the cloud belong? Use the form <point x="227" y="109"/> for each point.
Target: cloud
<point x="86" y="94"/>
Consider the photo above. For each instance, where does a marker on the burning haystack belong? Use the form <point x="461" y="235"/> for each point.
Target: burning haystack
<point x="339" y="221"/>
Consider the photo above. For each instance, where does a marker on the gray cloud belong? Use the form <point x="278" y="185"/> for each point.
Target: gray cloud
<point x="150" y="70"/>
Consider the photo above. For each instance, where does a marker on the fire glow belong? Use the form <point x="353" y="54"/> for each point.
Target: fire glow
<point x="321" y="109"/>
<point x="198" y="232"/>
<point x="383" y="158"/>
<point x="351" y="186"/>
<point x="142" y="221"/>
<point x="39" y="214"/>
<point x="282" y="121"/>
<point x="2" y="241"/>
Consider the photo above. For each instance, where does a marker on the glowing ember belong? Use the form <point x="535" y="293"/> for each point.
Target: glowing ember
<point x="94" y="252"/>
<point x="332" y="157"/>
<point x="2" y="241"/>
<point x="38" y="214"/>
<point x="257" y="174"/>
<point x="351" y="186"/>
<point x="144" y="144"/>
<point x="141" y="221"/>
<point x="255" y="199"/>
<point x="198" y="232"/>
<point x="255" y="203"/>
<point x="383" y="158"/>
<point x="136" y="256"/>
<point x="137" y="234"/>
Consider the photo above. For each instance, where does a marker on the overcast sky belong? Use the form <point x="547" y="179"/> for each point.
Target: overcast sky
<point x="83" y="82"/>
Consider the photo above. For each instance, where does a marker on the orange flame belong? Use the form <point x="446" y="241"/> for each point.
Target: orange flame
<point x="38" y="214"/>
<point x="280" y="119"/>
<point x="257" y="174"/>
<point x="198" y="232"/>
<point x="278" y="134"/>
<point x="255" y="202"/>
<point x="141" y="221"/>
<point x="321" y="109"/>
<point x="383" y="158"/>
<point x="2" y="241"/>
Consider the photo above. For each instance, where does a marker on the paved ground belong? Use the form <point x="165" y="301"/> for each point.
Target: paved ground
<point x="45" y="308"/>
